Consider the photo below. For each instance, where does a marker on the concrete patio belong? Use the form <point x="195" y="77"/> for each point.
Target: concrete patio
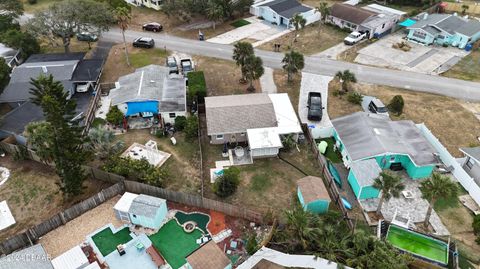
<point x="414" y="208"/>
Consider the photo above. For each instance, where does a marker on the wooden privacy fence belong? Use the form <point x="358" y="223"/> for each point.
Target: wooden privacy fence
<point x="331" y="186"/>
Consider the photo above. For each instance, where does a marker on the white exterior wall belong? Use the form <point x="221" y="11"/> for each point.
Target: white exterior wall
<point x="264" y="152"/>
<point x="167" y="119"/>
<point x="341" y="23"/>
<point x="311" y="16"/>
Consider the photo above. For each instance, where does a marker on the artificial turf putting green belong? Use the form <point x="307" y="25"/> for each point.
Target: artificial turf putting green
<point x="107" y="241"/>
<point x="418" y="244"/>
<point x="333" y="156"/>
<point x="174" y="244"/>
<point x="201" y="219"/>
<point x="239" y="23"/>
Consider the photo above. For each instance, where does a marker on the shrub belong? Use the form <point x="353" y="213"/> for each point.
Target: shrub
<point x="32" y="2"/>
<point x="140" y="170"/>
<point x="252" y="245"/>
<point x="191" y="127"/>
<point x="288" y="142"/>
<point x="355" y="98"/>
<point x="197" y="88"/>
<point x="97" y="122"/>
<point x="226" y="184"/>
<point x="476" y="225"/>
<point x="396" y="105"/>
<point x="115" y="116"/>
<point x="180" y="122"/>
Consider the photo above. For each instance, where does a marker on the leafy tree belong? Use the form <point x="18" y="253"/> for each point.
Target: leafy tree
<point x="8" y="22"/>
<point x="40" y="139"/>
<point x="191" y="127"/>
<point x="123" y="17"/>
<point x="214" y="12"/>
<point x="140" y="170"/>
<point x="355" y="98"/>
<point x="66" y="18"/>
<point x="293" y="62"/>
<point x="22" y="41"/>
<point x="66" y="145"/>
<point x="434" y="188"/>
<point x="346" y="77"/>
<point x="115" y="116"/>
<point x="252" y="70"/>
<point x="226" y="184"/>
<point x="389" y="185"/>
<point x="102" y="142"/>
<point x="4" y="74"/>
<point x="396" y="105"/>
<point x="241" y="51"/>
<point x="180" y="122"/>
<point x="11" y="7"/>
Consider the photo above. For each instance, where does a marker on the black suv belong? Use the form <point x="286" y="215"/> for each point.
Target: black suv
<point x="144" y="42"/>
<point x="152" y="26"/>
<point x="315" y="109"/>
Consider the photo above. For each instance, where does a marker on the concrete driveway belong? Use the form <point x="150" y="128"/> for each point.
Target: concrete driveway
<point x="314" y="83"/>
<point x="421" y="59"/>
<point x="258" y="30"/>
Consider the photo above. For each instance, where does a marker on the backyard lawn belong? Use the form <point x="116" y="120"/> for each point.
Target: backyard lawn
<point x="107" y="241"/>
<point x="467" y="69"/>
<point x="174" y="244"/>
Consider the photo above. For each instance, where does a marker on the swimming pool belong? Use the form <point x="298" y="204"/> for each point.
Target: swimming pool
<point x="418" y="244"/>
<point x="199" y="218"/>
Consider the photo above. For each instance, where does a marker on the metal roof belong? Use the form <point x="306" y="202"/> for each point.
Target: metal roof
<point x="145" y="205"/>
<point x="366" y="171"/>
<point x="33" y="257"/>
<point x="364" y="136"/>
<point x="472" y="152"/>
<point x="72" y="259"/>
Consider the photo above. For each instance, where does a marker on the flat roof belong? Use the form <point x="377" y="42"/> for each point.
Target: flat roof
<point x="287" y="120"/>
<point x="264" y="138"/>
<point x="6" y="217"/>
<point x="383" y="9"/>
<point x="366" y="171"/>
<point x="72" y="259"/>
<point x="125" y="202"/>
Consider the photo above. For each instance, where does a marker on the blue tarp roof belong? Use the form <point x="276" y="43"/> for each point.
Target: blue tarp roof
<point x="146" y="106"/>
<point x="407" y="23"/>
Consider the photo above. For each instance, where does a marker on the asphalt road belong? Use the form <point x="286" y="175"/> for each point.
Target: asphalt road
<point x="402" y="79"/>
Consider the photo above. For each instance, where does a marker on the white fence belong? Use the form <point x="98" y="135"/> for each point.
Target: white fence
<point x="321" y="132"/>
<point x="458" y="172"/>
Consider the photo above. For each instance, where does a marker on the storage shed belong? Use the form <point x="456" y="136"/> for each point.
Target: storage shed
<point x="208" y="256"/>
<point x="72" y="259"/>
<point x="143" y="210"/>
<point x="123" y="205"/>
<point x="313" y="195"/>
<point x="264" y="142"/>
<point x="361" y="177"/>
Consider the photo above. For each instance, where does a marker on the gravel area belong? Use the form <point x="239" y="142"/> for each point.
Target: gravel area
<point x="75" y="232"/>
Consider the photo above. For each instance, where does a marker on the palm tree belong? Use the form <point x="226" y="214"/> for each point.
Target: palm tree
<point x="214" y="12"/>
<point x="293" y="62"/>
<point x="434" y="188"/>
<point x="123" y="17"/>
<point x="298" y="22"/>
<point x="102" y="142"/>
<point x="241" y="51"/>
<point x="252" y="70"/>
<point x="302" y="227"/>
<point x="390" y="185"/>
<point x="345" y="78"/>
<point x="324" y="11"/>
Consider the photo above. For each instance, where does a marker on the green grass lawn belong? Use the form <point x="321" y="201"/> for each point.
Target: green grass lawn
<point x="260" y="182"/>
<point x="239" y="23"/>
<point x="174" y="244"/>
<point x="146" y="57"/>
<point x="107" y="241"/>
<point x="333" y="156"/>
<point x="467" y="69"/>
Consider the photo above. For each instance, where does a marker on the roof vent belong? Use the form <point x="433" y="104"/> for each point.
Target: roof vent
<point x="425" y="16"/>
<point x="455" y="14"/>
<point x="44" y="69"/>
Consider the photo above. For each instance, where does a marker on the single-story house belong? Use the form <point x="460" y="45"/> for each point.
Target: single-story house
<point x="259" y="119"/>
<point x="313" y="195"/>
<point x="34" y="257"/>
<point x="12" y="56"/>
<point x="151" y="90"/>
<point x="208" y="256"/>
<point x="155" y="4"/>
<point x="72" y="259"/>
<point x="281" y="11"/>
<point x="471" y="163"/>
<point x="361" y="177"/>
<point x="444" y="29"/>
<point x="375" y="19"/>
<point x="144" y="210"/>
<point x="393" y="144"/>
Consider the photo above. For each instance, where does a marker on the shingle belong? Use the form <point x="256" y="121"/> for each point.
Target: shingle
<point x="470" y="28"/>
<point x="55" y="57"/>
<point x="451" y="24"/>
<point x="287" y="8"/>
<point x="366" y="171"/>
<point x="33" y="257"/>
<point x="312" y="189"/>
<point x="350" y="13"/>
<point x="145" y="205"/>
<point x="16" y="120"/>
<point x="208" y="256"/>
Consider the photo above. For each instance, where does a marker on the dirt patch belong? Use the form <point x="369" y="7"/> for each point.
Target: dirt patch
<point x="292" y="88"/>
<point x="338" y="105"/>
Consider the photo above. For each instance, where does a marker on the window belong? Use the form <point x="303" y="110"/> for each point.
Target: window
<point x="392" y="159"/>
<point x="242" y="134"/>
<point x="469" y="163"/>
<point x="419" y="34"/>
<point x="219" y="137"/>
<point x="171" y="115"/>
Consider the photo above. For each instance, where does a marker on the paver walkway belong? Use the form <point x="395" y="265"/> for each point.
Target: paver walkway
<point x="266" y="81"/>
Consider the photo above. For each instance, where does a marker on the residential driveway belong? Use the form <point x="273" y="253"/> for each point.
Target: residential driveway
<point x="314" y="83"/>
<point x="333" y="52"/>
<point x="422" y="59"/>
<point x="267" y="82"/>
<point x="258" y="30"/>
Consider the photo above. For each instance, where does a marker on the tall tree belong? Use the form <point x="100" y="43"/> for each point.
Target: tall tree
<point x="103" y="144"/>
<point x="324" y="11"/>
<point x="293" y="62"/>
<point x="346" y="77"/>
<point x="302" y="226"/>
<point x="66" y="147"/>
<point x="11" y="7"/>
<point x="298" y="22"/>
<point x="437" y="187"/>
<point x="252" y="70"/>
<point x="66" y="18"/>
<point x="241" y="51"/>
<point x="23" y="41"/>
<point x="123" y="17"/>
<point x="4" y="74"/>
<point x="214" y="12"/>
<point x="390" y="185"/>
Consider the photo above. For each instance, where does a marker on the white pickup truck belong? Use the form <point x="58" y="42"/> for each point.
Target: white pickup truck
<point x="354" y="37"/>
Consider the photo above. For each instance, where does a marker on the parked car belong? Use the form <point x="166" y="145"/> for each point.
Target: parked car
<point x="152" y="26"/>
<point x="315" y="108"/>
<point x="144" y="42"/>
<point x="375" y="106"/>
<point x="187" y="65"/>
<point x="354" y="38"/>
<point x="172" y="65"/>
<point x="85" y="36"/>
<point x="83" y="87"/>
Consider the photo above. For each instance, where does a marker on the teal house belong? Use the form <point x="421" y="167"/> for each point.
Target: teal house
<point x="444" y="30"/>
<point x="395" y="145"/>
<point x="208" y="256"/>
<point x="313" y="195"/>
<point x="143" y="210"/>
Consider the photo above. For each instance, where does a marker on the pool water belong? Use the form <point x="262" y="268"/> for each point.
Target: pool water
<point x="200" y="218"/>
<point x="418" y="244"/>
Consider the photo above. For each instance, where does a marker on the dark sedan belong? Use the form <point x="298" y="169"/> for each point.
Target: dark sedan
<point x="315" y="108"/>
<point x="87" y="37"/>
<point x="144" y="42"/>
<point x="152" y="26"/>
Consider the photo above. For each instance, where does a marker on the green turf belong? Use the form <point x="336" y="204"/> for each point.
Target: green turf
<point x="107" y="241"/>
<point x="333" y="156"/>
<point x="418" y="244"/>
<point x="201" y="219"/>
<point x="239" y="23"/>
<point x="174" y="244"/>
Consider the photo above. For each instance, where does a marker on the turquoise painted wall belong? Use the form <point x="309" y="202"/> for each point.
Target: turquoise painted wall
<point x="415" y="172"/>
<point x="300" y="197"/>
<point x="428" y="39"/>
<point x="153" y="223"/>
<point x="368" y="192"/>
<point x="475" y="38"/>
<point x="318" y="206"/>
<point x="353" y="183"/>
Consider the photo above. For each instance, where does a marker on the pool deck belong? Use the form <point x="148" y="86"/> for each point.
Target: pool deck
<point x="133" y="258"/>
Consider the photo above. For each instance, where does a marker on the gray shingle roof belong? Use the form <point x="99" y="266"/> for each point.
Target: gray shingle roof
<point x="448" y="23"/>
<point x="365" y="136"/>
<point x="350" y="13"/>
<point x="472" y="152"/>
<point x="366" y="171"/>
<point x="236" y="113"/>
<point x="33" y="257"/>
<point x="287" y="8"/>
<point x="431" y="19"/>
<point x="145" y="205"/>
<point x="16" y="120"/>
<point x="152" y="83"/>
<point x="451" y="24"/>
<point x="470" y="28"/>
